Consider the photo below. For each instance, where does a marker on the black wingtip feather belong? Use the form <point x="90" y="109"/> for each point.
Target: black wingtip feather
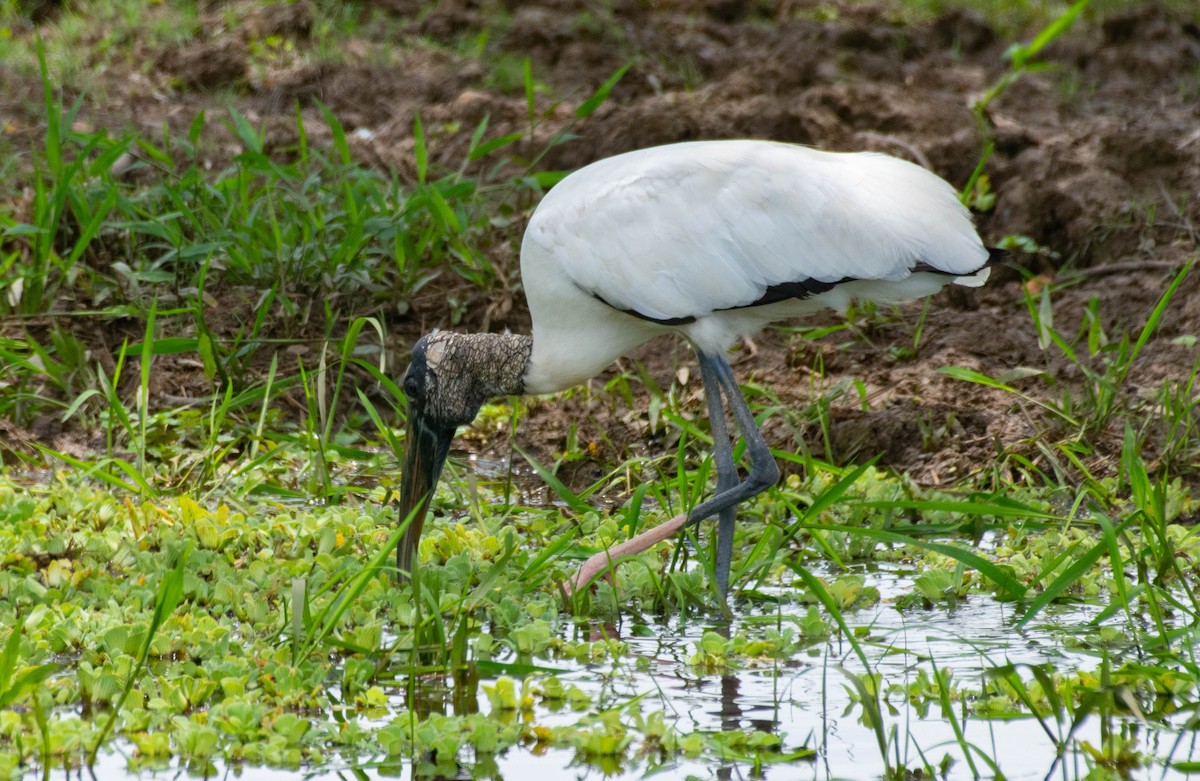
<point x="803" y="289"/>
<point x="674" y="321"/>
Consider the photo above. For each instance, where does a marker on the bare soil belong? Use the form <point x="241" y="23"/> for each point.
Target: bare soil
<point x="1097" y="159"/>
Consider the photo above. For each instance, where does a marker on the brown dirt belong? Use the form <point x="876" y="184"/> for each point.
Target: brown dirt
<point x="1096" y="159"/>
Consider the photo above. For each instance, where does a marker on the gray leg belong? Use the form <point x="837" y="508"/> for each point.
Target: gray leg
<point x="764" y="472"/>
<point x="727" y="476"/>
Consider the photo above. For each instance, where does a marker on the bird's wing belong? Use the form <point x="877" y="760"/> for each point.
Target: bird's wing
<point x="682" y="231"/>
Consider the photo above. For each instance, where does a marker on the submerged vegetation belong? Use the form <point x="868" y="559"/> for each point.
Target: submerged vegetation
<point x="200" y="422"/>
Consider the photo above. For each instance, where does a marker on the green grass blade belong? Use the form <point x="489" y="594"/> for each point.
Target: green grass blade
<point x="93" y="226"/>
<point x="1000" y="507"/>
<point x="329" y="618"/>
<point x="8" y="658"/>
<point x="487" y="147"/>
<point x="420" y="154"/>
<point x="338" y="132"/>
<point x="943" y="688"/>
<point x="28" y="682"/>
<point x="143" y="402"/>
<point x="827" y="499"/>
<point x="1156" y="315"/>
<point x="97" y="471"/>
<point x="1048" y="34"/>
<point x="1010" y="587"/>
<point x="562" y="540"/>
<point x="1069" y="577"/>
<point x="384" y="430"/>
<point x="170" y="593"/>
<point x="53" y="145"/>
<point x="968" y="375"/>
<point x="597" y="98"/>
<point x="869" y="696"/>
<point x="577" y="505"/>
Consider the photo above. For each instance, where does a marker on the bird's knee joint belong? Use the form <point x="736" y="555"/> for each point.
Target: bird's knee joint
<point x="767" y="476"/>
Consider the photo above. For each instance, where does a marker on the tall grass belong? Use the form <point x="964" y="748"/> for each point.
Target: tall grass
<point x="224" y="268"/>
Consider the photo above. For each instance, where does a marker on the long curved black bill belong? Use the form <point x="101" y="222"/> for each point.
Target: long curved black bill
<point x="428" y="446"/>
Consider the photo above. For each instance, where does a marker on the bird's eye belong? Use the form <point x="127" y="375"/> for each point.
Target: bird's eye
<point x="412" y="387"/>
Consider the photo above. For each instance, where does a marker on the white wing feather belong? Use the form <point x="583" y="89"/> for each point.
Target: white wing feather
<point x="689" y="229"/>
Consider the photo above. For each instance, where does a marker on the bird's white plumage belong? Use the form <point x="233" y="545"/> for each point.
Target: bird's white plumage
<point x="701" y="230"/>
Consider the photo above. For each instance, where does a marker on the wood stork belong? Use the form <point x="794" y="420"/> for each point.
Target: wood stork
<point x="711" y="240"/>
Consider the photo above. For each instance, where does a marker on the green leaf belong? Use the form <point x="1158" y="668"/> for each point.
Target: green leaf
<point x="486" y="148"/>
<point x="1010" y="587"/>
<point x="8" y="659"/>
<point x="28" y="681"/>
<point x="515" y="669"/>
<point x="196" y="128"/>
<point x="420" y="155"/>
<point x="251" y="139"/>
<point x="1155" y="316"/>
<point x="1053" y="30"/>
<point x="339" y="134"/>
<point x="560" y="489"/>
<point x="1071" y="575"/>
<point x="544" y="180"/>
<point x="589" y="106"/>
<point x="172" y="345"/>
<point x="969" y="375"/>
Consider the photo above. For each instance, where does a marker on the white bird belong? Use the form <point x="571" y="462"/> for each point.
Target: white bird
<point x="711" y="240"/>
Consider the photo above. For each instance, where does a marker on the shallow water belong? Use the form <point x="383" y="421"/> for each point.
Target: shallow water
<point x="806" y="699"/>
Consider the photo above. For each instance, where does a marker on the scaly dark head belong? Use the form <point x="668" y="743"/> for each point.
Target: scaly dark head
<point x="449" y="378"/>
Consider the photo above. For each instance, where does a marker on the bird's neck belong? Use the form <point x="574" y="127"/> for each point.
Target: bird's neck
<point x="498" y="362"/>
